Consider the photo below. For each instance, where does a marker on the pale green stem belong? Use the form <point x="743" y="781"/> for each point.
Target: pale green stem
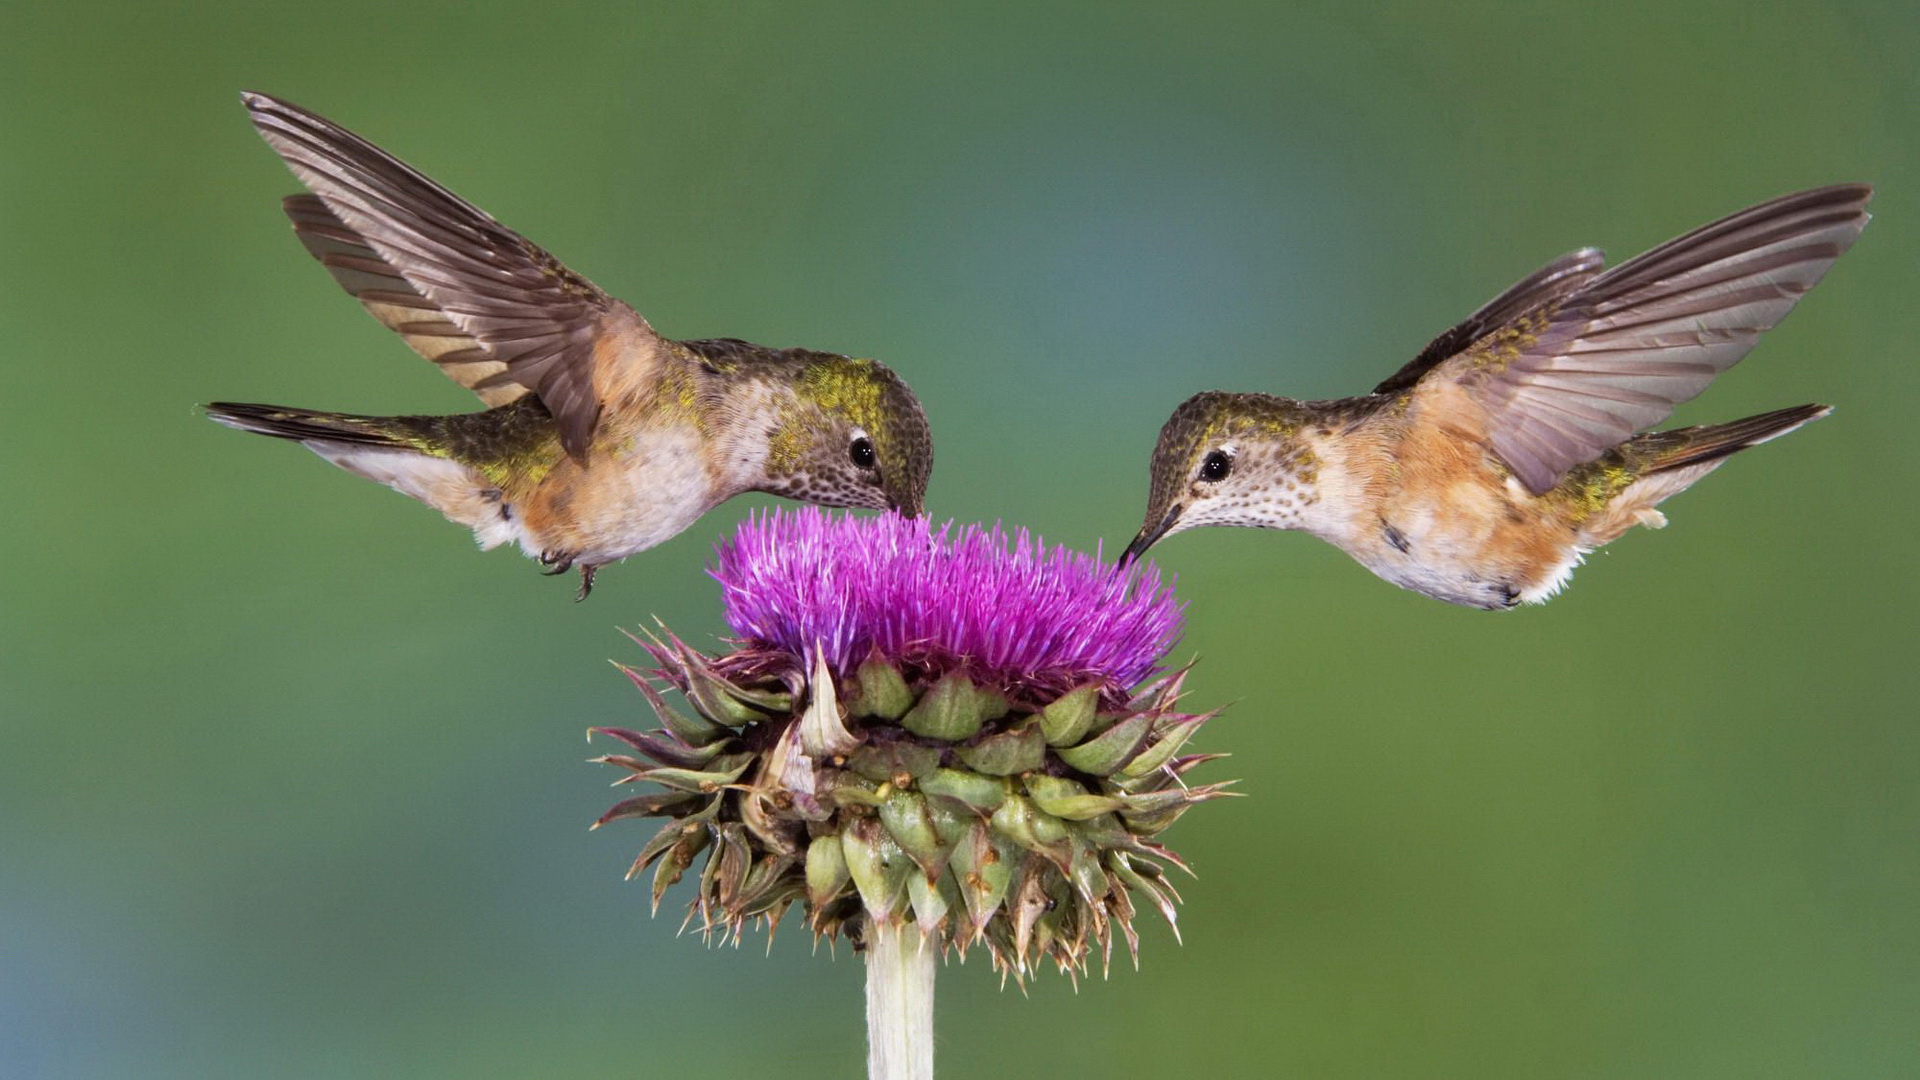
<point x="900" y="969"/>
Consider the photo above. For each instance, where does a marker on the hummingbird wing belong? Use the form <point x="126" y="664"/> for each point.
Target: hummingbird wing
<point x="1546" y="285"/>
<point x="1562" y="383"/>
<point x="539" y="325"/>
<point x="400" y="307"/>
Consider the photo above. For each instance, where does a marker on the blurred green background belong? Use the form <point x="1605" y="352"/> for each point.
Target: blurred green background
<point x="291" y="778"/>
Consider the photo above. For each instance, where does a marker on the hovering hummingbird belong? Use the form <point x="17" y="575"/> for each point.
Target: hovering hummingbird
<point x="602" y="438"/>
<point x="1482" y="472"/>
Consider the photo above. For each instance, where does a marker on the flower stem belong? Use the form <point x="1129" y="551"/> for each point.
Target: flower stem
<point x="899" y="1003"/>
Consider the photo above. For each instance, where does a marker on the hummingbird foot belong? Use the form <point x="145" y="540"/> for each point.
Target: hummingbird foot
<point x="587" y="571"/>
<point x="555" y="563"/>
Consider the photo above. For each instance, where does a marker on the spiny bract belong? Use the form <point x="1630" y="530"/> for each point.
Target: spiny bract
<point x="920" y="726"/>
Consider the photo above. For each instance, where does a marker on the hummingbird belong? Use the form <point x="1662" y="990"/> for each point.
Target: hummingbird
<point x="601" y="437"/>
<point x="1485" y="469"/>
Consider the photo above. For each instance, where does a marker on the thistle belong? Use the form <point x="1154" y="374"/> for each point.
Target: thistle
<point x="958" y="731"/>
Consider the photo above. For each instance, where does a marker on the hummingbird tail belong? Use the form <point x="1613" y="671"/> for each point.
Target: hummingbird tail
<point x="1683" y="447"/>
<point x="1670" y="462"/>
<point x="306" y="425"/>
<point x="394" y="451"/>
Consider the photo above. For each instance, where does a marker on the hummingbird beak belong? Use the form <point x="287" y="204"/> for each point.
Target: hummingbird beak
<point x="1150" y="534"/>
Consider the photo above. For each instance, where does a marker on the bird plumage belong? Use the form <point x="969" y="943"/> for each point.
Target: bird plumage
<point x="1483" y="470"/>
<point x="603" y="438"/>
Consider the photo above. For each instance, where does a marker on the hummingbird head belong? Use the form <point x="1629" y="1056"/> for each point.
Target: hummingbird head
<point x="1228" y="459"/>
<point x="851" y="434"/>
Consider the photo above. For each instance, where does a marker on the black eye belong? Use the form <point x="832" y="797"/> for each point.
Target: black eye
<point x="1216" y="467"/>
<point x="861" y="452"/>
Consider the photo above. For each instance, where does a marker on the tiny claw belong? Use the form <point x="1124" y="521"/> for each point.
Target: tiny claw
<point x="586" y="581"/>
<point x="555" y="563"/>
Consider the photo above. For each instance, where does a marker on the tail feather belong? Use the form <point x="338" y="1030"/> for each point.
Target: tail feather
<point x="1682" y="447"/>
<point x="392" y="451"/>
<point x="1666" y="463"/>
<point x="306" y="425"/>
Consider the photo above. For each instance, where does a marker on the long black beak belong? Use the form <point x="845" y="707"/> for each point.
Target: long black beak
<point x="1150" y="534"/>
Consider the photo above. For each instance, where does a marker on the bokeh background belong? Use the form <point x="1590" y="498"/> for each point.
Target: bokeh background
<point x="292" y="780"/>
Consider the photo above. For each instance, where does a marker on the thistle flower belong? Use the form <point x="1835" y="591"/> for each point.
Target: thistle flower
<point x="920" y="726"/>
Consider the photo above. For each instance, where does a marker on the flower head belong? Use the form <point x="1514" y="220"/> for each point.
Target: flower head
<point x="921" y="725"/>
<point x="802" y="580"/>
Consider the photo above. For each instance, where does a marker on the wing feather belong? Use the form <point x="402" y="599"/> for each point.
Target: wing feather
<point x="1544" y="286"/>
<point x="498" y="313"/>
<point x="1565" y="381"/>
<point x="393" y="301"/>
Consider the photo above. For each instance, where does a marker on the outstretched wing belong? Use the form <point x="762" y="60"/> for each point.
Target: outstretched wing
<point x="394" y="301"/>
<point x="1547" y="285"/>
<point x="493" y="309"/>
<point x="1566" y="379"/>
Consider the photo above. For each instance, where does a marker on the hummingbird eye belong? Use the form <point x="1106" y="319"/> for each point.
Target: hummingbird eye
<point x="862" y="452"/>
<point x="1216" y="467"/>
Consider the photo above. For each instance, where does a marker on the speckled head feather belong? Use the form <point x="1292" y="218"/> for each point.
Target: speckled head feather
<point x="837" y="402"/>
<point x="1227" y="459"/>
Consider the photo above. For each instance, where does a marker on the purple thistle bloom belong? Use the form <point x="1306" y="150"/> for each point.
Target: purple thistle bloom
<point x="939" y="726"/>
<point x="802" y="581"/>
